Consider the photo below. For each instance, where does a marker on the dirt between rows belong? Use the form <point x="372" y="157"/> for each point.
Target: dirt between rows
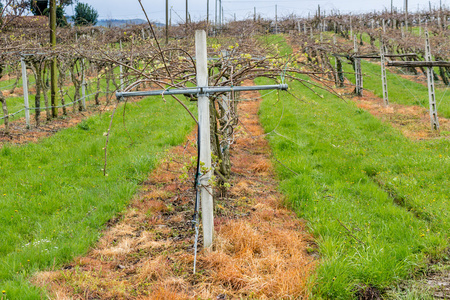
<point x="260" y="249"/>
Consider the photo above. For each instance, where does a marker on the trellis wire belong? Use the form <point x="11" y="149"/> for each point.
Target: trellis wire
<point x="50" y="107"/>
<point x="12" y="115"/>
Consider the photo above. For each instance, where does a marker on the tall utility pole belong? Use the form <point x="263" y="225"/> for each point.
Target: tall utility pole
<point x="187" y="12"/>
<point x="392" y="6"/>
<point x="207" y="13"/>
<point x="53" y="73"/>
<point x="167" y="22"/>
<point x="406" y="14"/>
<point x="220" y="12"/>
<point x="254" y="14"/>
<point x="276" y="19"/>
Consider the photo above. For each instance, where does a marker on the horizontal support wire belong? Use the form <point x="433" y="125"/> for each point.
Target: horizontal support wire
<point x="59" y="106"/>
<point x="202" y="90"/>
<point x="12" y="115"/>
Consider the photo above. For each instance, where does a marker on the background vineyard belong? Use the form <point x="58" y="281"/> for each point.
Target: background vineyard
<point x="373" y="191"/>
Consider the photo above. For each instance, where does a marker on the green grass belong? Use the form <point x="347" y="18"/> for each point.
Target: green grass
<point x="355" y="171"/>
<point x="54" y="198"/>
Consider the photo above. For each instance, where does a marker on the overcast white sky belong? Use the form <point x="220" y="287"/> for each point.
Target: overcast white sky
<point x="130" y="9"/>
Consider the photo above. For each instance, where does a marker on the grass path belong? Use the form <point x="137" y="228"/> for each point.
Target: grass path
<point x="53" y="195"/>
<point x="260" y="247"/>
<point x="376" y="201"/>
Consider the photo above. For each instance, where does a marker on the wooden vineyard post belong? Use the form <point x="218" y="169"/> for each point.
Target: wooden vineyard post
<point x="204" y="187"/>
<point x="358" y="73"/>
<point x="205" y="139"/>
<point x="25" y="92"/>
<point x="121" y="70"/>
<point x="83" y="85"/>
<point x="383" y="75"/>
<point x="430" y="80"/>
<point x="384" y="26"/>
<point x="336" y="76"/>
<point x="351" y="28"/>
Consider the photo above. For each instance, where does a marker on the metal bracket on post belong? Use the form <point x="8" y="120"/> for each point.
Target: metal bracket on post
<point x="25" y="92"/>
<point x="431" y="91"/>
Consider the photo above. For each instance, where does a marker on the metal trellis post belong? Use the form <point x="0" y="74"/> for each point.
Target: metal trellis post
<point x="358" y="73"/>
<point x="83" y="85"/>
<point x="431" y="91"/>
<point x="25" y="92"/>
<point x="383" y="75"/>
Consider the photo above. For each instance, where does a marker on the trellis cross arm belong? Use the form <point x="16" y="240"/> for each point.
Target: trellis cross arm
<point x="202" y="90"/>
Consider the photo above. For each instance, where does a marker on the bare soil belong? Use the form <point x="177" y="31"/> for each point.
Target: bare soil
<point x="260" y="249"/>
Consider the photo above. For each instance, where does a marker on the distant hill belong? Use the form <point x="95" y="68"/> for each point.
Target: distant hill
<point x="120" y="23"/>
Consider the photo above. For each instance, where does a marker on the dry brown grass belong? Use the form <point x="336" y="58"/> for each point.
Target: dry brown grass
<point x="259" y="250"/>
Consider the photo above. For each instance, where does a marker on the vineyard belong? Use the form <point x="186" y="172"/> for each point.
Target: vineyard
<point x="326" y="142"/>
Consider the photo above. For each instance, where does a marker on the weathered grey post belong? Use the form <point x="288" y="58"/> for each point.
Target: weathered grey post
<point x="276" y="19"/>
<point x="420" y="26"/>
<point x="351" y="28"/>
<point x="384" y="26"/>
<point x="121" y="69"/>
<point x="358" y="73"/>
<point x="430" y="80"/>
<point x="205" y="139"/>
<point x="203" y="91"/>
<point x="383" y="75"/>
<point x="25" y="92"/>
<point x="83" y="85"/>
<point x="336" y="64"/>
